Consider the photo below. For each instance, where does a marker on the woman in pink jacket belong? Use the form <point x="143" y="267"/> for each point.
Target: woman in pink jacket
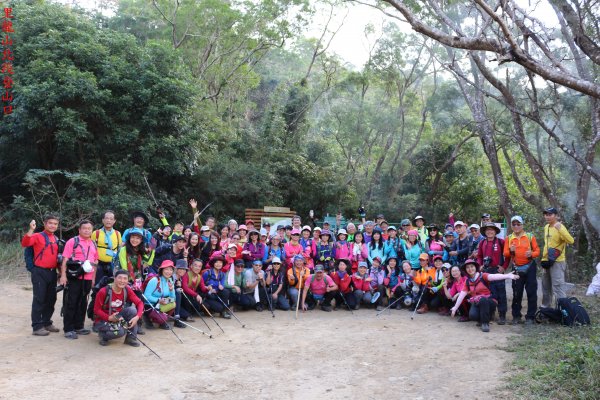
<point x="359" y="251"/>
<point x="343" y="248"/>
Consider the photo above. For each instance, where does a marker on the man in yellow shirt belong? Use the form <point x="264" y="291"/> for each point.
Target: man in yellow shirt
<point x="556" y="238"/>
<point x="107" y="241"/>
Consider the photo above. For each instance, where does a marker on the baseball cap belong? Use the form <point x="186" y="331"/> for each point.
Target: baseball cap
<point x="550" y="210"/>
<point x="474" y="226"/>
<point x="517" y="218"/>
<point x="457" y="223"/>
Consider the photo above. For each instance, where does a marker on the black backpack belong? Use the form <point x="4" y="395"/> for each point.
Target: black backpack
<point x="572" y="312"/>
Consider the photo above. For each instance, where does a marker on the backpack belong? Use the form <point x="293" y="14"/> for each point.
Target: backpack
<point x="108" y="299"/>
<point x="148" y="278"/>
<point x="572" y="312"/>
<point x="28" y="254"/>
<point x="545" y="315"/>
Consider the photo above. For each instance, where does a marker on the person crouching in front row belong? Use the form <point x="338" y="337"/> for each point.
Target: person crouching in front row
<point x="322" y="289"/>
<point x="117" y="311"/>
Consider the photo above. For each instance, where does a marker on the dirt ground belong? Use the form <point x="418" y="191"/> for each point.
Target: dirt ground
<point x="337" y="355"/>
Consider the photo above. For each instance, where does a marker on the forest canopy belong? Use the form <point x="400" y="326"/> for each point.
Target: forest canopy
<point x="233" y="102"/>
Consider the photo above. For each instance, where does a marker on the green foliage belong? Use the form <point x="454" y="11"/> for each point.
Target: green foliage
<point x="555" y="362"/>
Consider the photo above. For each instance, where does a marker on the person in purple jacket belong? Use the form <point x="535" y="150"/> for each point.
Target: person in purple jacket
<point x="254" y="249"/>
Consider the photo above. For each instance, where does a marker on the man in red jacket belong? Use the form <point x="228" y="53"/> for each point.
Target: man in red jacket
<point x="43" y="274"/>
<point x="113" y="316"/>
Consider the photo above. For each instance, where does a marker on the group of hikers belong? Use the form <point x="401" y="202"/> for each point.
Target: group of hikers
<point x="140" y="281"/>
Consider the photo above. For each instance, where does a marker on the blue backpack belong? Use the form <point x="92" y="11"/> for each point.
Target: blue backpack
<point x="29" y="256"/>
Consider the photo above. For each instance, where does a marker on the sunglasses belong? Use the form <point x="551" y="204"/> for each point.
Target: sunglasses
<point x="444" y="269"/>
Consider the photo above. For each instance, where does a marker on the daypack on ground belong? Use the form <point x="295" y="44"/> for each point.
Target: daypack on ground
<point x="573" y="313"/>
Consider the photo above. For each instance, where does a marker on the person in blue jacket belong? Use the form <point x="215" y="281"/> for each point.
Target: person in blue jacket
<point x="376" y="247"/>
<point x="160" y="294"/>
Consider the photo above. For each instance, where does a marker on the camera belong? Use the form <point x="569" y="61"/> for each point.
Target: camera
<point x="74" y="269"/>
<point x="361" y="211"/>
<point x="487" y="262"/>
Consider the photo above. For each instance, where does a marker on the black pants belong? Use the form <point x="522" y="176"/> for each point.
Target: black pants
<point x="44" y="296"/>
<point x="482" y="310"/>
<point x="243" y="300"/>
<point x="426" y="297"/>
<point x="108" y="331"/>
<point x="327" y="297"/>
<point x="212" y="302"/>
<point x="190" y="305"/>
<point x="75" y="304"/>
<point x="529" y="284"/>
<point x="179" y="310"/>
<point x="498" y="289"/>
<point x="440" y="300"/>
<point x="339" y="301"/>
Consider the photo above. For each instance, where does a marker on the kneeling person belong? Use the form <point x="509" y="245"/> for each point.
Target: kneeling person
<point x="117" y="310"/>
<point x="321" y="287"/>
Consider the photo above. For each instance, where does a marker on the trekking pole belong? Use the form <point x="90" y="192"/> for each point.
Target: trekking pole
<point x="195" y="309"/>
<point x="418" y="302"/>
<point x="161" y="317"/>
<point x="193" y="327"/>
<point x="345" y="302"/>
<point x="211" y="316"/>
<point x="269" y="301"/>
<point x="299" y="292"/>
<point x="150" y="189"/>
<point x="204" y="209"/>
<point x="389" y="306"/>
<point x="138" y="339"/>
<point x="229" y="310"/>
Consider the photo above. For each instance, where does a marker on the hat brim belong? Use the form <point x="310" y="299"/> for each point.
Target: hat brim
<point x="136" y="214"/>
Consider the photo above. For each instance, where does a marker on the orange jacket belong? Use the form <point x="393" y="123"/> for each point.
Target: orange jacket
<point x="522" y="244"/>
<point x="422" y="277"/>
<point x="293" y="276"/>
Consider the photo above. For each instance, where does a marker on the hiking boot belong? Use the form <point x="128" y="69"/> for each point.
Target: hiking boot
<point x="130" y="340"/>
<point x="423" y="309"/>
<point x="485" y="327"/>
<point x="443" y="311"/>
<point x="463" y="318"/>
<point x="502" y="320"/>
<point x="40" y="332"/>
<point x="164" y="326"/>
<point x="259" y="307"/>
<point x="529" y="322"/>
<point x="225" y="315"/>
<point x="190" y="319"/>
<point x="82" y="331"/>
<point x="141" y="330"/>
<point x="103" y="342"/>
<point x="94" y="329"/>
<point x="70" y="335"/>
<point x="516" y="321"/>
<point x="355" y="307"/>
<point x="326" y="308"/>
<point x="179" y="324"/>
<point x="51" y="328"/>
<point x="147" y="322"/>
<point x="379" y="308"/>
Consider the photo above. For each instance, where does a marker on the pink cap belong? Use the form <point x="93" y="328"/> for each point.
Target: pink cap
<point x="242" y="227"/>
<point x="413" y="232"/>
<point x="295" y="232"/>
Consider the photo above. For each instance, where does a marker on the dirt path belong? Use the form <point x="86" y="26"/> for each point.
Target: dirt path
<point x="333" y="355"/>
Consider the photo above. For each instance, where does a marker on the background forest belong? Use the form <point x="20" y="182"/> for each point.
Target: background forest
<point x="233" y="102"/>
